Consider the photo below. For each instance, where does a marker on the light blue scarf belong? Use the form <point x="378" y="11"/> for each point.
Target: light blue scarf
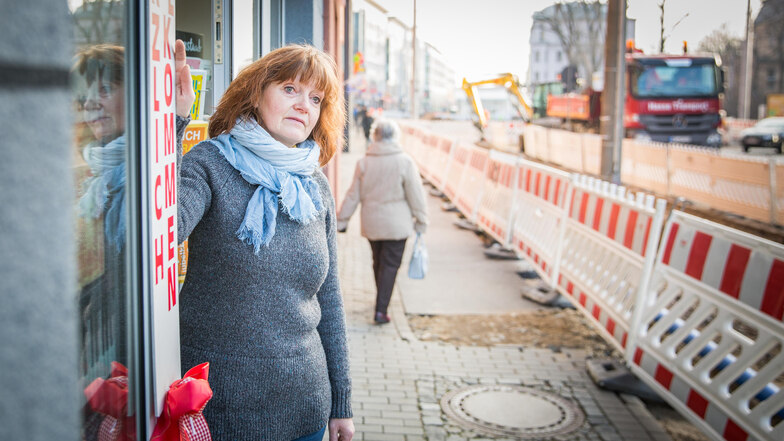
<point x="107" y="184"/>
<point x="282" y="173"/>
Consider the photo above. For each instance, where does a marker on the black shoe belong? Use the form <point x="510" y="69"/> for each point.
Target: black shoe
<point x="381" y="318"/>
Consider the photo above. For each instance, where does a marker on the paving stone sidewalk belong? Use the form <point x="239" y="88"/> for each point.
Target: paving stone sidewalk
<point x="399" y="381"/>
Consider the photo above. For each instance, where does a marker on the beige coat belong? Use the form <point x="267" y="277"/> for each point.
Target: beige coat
<point x="387" y="184"/>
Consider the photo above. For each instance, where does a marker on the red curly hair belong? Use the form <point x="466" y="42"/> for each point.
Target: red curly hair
<point x="290" y="62"/>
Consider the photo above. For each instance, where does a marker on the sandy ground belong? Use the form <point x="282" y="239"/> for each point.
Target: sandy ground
<point x="551" y="328"/>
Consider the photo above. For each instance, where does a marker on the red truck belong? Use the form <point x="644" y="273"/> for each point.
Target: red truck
<point x="669" y="98"/>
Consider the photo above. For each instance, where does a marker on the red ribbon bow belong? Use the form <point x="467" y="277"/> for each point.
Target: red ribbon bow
<point x="110" y="398"/>
<point x="183" y="404"/>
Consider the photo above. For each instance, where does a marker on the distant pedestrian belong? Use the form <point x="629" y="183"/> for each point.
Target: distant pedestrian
<point x="387" y="184"/>
<point x="261" y="301"/>
<point x="359" y="115"/>
<point x="367" y="123"/>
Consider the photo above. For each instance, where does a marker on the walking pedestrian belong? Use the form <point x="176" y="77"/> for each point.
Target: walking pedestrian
<point x="387" y="184"/>
<point x="367" y="123"/>
<point x="261" y="301"/>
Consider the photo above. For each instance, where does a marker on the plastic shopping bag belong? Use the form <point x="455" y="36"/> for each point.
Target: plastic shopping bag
<point x="417" y="268"/>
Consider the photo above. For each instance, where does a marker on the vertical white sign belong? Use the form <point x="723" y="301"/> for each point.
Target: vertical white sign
<point x="162" y="199"/>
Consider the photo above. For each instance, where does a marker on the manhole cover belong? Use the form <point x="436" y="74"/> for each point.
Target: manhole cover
<point x="509" y="410"/>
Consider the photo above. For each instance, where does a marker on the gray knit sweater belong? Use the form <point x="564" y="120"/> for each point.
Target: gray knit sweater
<point x="271" y="325"/>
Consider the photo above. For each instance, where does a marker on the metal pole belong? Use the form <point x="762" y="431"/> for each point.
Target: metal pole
<point x="749" y="58"/>
<point x="620" y="96"/>
<point x="413" y="66"/>
<point x="611" y="120"/>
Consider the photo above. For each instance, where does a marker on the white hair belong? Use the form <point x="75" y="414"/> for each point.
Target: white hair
<point x="385" y="130"/>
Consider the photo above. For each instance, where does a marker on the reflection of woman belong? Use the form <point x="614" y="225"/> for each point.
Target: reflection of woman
<point x="104" y="114"/>
<point x="261" y="301"/>
<point x="103" y="296"/>
<point x="387" y="184"/>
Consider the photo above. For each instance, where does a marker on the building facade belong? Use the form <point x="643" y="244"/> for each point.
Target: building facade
<point x="768" y="62"/>
<point x="385" y="44"/>
<point x="570" y="34"/>
<point x="90" y="278"/>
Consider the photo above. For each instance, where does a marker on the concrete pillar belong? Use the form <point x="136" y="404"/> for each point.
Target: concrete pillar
<point x="38" y="318"/>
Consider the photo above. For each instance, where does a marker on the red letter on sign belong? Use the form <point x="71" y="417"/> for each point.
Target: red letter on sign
<point x="156" y="54"/>
<point x="159" y="269"/>
<point x="157" y="146"/>
<point x="157" y="191"/>
<point x="166" y="48"/>
<point x="171" y="191"/>
<point x="168" y="84"/>
<point x="172" y="286"/>
<point x="156" y="105"/>
<point x="168" y="134"/>
<point x="171" y="237"/>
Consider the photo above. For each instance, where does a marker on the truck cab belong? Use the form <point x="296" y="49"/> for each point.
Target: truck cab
<point x="674" y="98"/>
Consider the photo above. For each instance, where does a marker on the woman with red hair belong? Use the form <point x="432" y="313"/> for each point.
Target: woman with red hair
<point x="261" y="300"/>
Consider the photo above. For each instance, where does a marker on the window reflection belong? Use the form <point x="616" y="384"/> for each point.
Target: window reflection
<point x="100" y="151"/>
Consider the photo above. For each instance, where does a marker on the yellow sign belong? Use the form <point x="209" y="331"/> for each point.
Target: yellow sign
<point x="195" y="133"/>
<point x="776" y="104"/>
<point x="199" y="77"/>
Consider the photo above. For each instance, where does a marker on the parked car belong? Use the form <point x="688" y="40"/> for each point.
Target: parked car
<point x="768" y="132"/>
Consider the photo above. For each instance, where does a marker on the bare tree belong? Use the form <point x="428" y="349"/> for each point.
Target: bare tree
<point x="98" y="21"/>
<point x="577" y="25"/>
<point x="663" y="38"/>
<point x="729" y="48"/>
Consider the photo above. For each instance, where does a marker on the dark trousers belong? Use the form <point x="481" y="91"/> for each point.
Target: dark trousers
<point x="387" y="255"/>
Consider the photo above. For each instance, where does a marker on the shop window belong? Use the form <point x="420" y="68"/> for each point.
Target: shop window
<point x="244" y="43"/>
<point x="98" y="79"/>
<point x="195" y="27"/>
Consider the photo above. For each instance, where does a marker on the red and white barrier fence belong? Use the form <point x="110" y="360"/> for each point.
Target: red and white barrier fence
<point x="494" y="214"/>
<point x="540" y="207"/>
<point x="439" y="160"/>
<point x="711" y="335"/>
<point x="697" y="311"/>
<point x="457" y="166"/>
<point x="472" y="182"/>
<point x="605" y="253"/>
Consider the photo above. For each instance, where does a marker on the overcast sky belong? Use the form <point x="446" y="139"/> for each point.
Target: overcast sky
<point x="482" y="38"/>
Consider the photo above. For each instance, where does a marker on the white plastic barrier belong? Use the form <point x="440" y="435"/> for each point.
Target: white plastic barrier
<point x="460" y="156"/>
<point x="438" y="160"/>
<point x="609" y="241"/>
<point x="541" y="195"/>
<point x="494" y="214"/>
<point x="469" y="193"/>
<point x="711" y="337"/>
<point x="429" y="145"/>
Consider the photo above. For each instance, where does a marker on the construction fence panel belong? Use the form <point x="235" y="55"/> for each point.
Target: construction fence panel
<point x="644" y="165"/>
<point x="429" y="151"/>
<point x="494" y="215"/>
<point x="778" y="191"/>
<point x="411" y="142"/>
<point x="439" y="161"/>
<point x="609" y="240"/>
<point x="739" y="185"/>
<point x="566" y="149"/>
<point x="457" y="167"/>
<point x="536" y="142"/>
<point x="539" y="207"/>
<point x="592" y="154"/>
<point x="711" y="334"/>
<point x="469" y="192"/>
